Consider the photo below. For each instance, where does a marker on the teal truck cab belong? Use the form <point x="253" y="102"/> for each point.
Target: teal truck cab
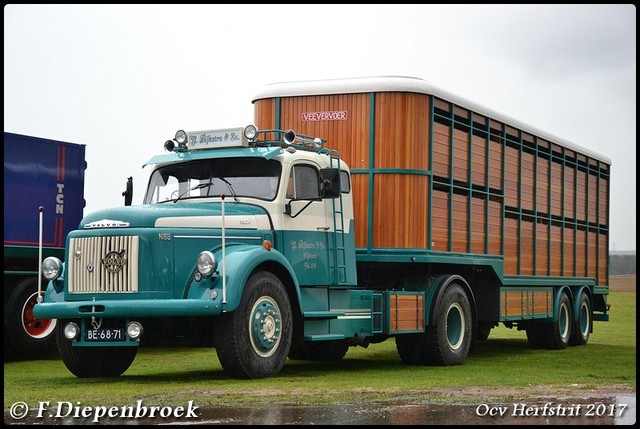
<point x="248" y="226"/>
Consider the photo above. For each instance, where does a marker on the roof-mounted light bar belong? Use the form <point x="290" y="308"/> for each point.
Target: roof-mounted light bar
<point x="241" y="137"/>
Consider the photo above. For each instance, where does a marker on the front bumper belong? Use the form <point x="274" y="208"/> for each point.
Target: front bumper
<point x="128" y="308"/>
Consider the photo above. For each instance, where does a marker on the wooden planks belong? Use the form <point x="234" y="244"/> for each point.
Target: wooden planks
<point x="483" y="187"/>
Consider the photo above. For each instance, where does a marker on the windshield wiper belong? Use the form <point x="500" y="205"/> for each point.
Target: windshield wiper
<point x="235" y="197"/>
<point x="208" y="185"/>
<point x="199" y="186"/>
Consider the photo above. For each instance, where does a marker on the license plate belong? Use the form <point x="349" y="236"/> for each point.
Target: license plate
<point x="105" y="334"/>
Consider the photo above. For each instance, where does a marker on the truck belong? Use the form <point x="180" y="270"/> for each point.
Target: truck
<point x="351" y="212"/>
<point x="40" y="176"/>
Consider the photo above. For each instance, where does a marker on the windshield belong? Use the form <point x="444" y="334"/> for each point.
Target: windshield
<point x="237" y="177"/>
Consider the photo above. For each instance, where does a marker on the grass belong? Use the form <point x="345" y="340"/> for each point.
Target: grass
<point x="505" y="363"/>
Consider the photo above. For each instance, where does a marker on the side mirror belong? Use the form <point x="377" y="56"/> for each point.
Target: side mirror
<point x="128" y="192"/>
<point x="330" y="183"/>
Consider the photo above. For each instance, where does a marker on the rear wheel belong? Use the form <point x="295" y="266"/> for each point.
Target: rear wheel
<point x="94" y="362"/>
<point x="582" y="327"/>
<point x="448" y="340"/>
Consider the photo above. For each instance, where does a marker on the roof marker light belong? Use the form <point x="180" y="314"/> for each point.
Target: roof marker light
<point x="181" y="137"/>
<point x="250" y="132"/>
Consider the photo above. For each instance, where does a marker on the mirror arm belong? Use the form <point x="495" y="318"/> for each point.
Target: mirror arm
<point x="287" y="207"/>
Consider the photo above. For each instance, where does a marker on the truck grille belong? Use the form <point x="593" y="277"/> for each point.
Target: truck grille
<point x="103" y="265"/>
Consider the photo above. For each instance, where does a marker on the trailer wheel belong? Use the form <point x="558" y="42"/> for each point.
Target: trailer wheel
<point x="93" y="362"/>
<point x="582" y="327"/>
<point x="254" y="340"/>
<point x="559" y="332"/>
<point x="448" y="340"/>
<point x="28" y="336"/>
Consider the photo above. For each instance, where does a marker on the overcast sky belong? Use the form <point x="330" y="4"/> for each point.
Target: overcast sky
<point x="122" y="79"/>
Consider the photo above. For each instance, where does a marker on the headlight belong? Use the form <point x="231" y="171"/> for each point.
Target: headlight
<point x="51" y="268"/>
<point x="207" y="263"/>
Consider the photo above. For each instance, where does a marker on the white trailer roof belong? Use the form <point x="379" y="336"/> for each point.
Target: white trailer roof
<point x="407" y="84"/>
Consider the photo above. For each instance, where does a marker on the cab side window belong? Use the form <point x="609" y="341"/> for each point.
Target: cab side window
<point x="303" y="183"/>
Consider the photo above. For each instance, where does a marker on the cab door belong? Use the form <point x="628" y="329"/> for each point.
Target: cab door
<point x="307" y="225"/>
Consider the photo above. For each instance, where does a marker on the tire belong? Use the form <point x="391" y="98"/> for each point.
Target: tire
<point x="94" y="362"/>
<point x="582" y="327"/>
<point x="559" y="332"/>
<point x="254" y="340"/>
<point x="329" y="351"/>
<point x="28" y="337"/>
<point x="448" y="340"/>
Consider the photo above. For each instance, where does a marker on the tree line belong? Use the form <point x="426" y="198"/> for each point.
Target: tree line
<point x="622" y="264"/>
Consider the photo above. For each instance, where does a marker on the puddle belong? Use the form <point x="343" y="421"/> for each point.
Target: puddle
<point x="618" y="410"/>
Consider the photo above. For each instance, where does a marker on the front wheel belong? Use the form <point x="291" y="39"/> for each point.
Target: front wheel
<point x="254" y="340"/>
<point x="94" y="362"/>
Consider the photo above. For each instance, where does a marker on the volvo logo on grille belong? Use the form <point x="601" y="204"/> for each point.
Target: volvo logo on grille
<point x="115" y="261"/>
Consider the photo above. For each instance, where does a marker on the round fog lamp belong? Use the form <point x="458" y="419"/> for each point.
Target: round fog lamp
<point x="71" y="331"/>
<point x="134" y="330"/>
<point x="206" y="263"/>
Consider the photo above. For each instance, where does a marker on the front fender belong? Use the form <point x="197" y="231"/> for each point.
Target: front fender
<point x="50" y="295"/>
<point x="241" y="261"/>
